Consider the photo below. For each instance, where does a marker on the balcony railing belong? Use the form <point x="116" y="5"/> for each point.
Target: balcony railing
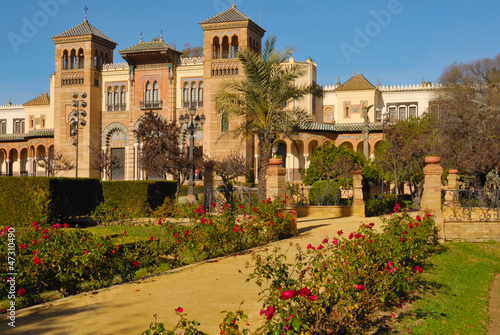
<point x="152" y="104"/>
<point x="116" y="108"/>
<point x="195" y="104"/>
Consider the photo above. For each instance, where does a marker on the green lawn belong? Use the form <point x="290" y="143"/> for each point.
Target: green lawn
<point x="454" y="298"/>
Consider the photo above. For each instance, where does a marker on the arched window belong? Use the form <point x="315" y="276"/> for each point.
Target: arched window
<point x="185" y="96"/>
<point x="123" y="99"/>
<point x="224" y="122"/>
<point x="106" y="59"/>
<point x="402" y="113"/>
<point x="216" y="48"/>
<point x="392" y="113"/>
<point x="234" y="45"/>
<point x="200" y="95"/>
<point x="80" y="59"/>
<point x="73" y="59"/>
<point x="65" y="60"/>
<point x="347" y="111"/>
<point x="328" y="115"/>
<point x="110" y="99"/>
<point x="156" y="92"/>
<point x="101" y="59"/>
<point x="225" y="47"/>
<point x="194" y="94"/>
<point x="116" y="98"/>
<point x="147" y="92"/>
<point x="412" y="111"/>
<point x="96" y="58"/>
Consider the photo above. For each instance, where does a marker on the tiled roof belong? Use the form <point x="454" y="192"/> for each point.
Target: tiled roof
<point x="24" y="137"/>
<point x="146" y="46"/>
<point x="230" y="15"/>
<point x="42" y="99"/>
<point x="40" y="133"/>
<point x="356" y="83"/>
<point x="84" y="28"/>
<point x="339" y="128"/>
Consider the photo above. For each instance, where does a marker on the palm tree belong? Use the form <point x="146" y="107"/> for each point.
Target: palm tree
<point x="260" y="100"/>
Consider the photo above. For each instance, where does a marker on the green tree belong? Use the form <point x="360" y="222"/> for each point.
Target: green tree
<point x="332" y="163"/>
<point x="402" y="154"/>
<point x="261" y="100"/>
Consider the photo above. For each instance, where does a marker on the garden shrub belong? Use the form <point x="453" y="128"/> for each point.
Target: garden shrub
<point x="62" y="259"/>
<point x="376" y="207"/>
<point x="137" y="198"/>
<point x="340" y="285"/>
<point x="331" y="198"/>
<point x="46" y="200"/>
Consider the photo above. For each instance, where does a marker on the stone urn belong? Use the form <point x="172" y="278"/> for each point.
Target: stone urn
<point x="432" y="160"/>
<point x="275" y="161"/>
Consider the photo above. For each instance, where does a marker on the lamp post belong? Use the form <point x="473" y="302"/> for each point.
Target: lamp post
<point x="192" y="122"/>
<point x="385" y="119"/>
<point x="76" y="120"/>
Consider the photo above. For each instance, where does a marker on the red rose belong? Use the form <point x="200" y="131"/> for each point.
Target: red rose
<point x="304" y="291"/>
<point x="179" y="310"/>
<point x="34" y="242"/>
<point x="21" y="292"/>
<point x="136" y="264"/>
<point x="66" y="225"/>
<point x="312" y="297"/>
<point x="22" y="246"/>
<point x="269" y="312"/>
<point x="351" y="235"/>
<point x="360" y="287"/>
<point x="285" y="295"/>
<point x="37" y="260"/>
<point x="340" y="232"/>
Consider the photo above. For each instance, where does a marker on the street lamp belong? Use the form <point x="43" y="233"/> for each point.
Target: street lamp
<point x="76" y="120"/>
<point x="385" y="119"/>
<point x="192" y="122"/>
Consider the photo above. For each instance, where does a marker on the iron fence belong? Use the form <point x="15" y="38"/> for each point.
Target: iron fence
<point x="472" y="204"/>
<point x="302" y="196"/>
<point x="216" y="198"/>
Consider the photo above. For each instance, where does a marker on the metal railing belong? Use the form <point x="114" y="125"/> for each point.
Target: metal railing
<point x="302" y="196"/>
<point x="152" y="104"/>
<point x="245" y="196"/>
<point x="472" y="204"/>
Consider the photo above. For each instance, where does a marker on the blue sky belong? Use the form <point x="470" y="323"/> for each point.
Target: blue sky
<point x="397" y="41"/>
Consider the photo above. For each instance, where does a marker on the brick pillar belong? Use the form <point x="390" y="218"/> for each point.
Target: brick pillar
<point x="431" y="197"/>
<point x="451" y="198"/>
<point x="358" y="204"/>
<point x="208" y="183"/>
<point x="276" y="186"/>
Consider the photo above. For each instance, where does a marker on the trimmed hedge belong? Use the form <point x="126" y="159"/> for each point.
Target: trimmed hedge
<point x="27" y="199"/>
<point x="137" y="198"/>
<point x="376" y="207"/>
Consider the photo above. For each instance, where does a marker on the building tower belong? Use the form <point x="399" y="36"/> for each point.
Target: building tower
<point x="225" y="34"/>
<point x="81" y="52"/>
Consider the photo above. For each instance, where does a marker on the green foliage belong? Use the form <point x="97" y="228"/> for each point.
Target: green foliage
<point x="318" y="195"/>
<point x="137" y="198"/>
<point x="250" y="177"/>
<point x="338" y="286"/>
<point x="330" y="162"/>
<point x="46" y="199"/>
<point x="64" y="259"/>
<point x="376" y="207"/>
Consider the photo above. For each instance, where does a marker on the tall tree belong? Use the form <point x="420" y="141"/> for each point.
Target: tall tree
<point x="161" y="151"/>
<point x="403" y="152"/>
<point x="260" y="100"/>
<point x="468" y="109"/>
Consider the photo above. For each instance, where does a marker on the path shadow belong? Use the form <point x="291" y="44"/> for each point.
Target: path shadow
<point x="309" y="228"/>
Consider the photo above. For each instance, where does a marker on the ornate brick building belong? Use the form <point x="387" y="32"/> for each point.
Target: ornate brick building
<point x="155" y="77"/>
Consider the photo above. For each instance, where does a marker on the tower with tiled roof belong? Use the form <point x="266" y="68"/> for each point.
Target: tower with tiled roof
<point x="225" y="34"/>
<point x="81" y="51"/>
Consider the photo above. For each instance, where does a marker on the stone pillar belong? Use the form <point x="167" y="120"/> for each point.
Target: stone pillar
<point x="276" y="185"/>
<point x="451" y="198"/>
<point x="358" y="204"/>
<point x="208" y="184"/>
<point x="431" y="197"/>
